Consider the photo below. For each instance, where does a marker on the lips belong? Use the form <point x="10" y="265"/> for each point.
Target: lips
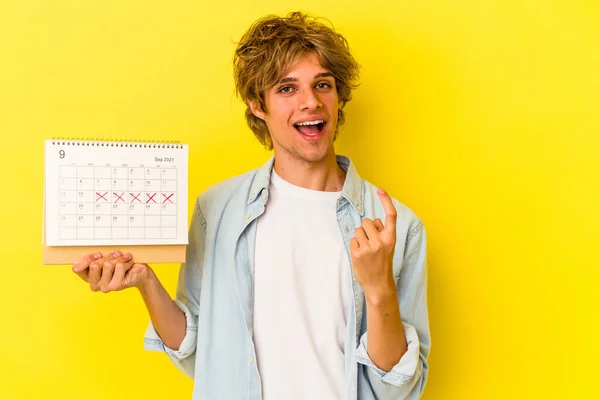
<point x="310" y="128"/>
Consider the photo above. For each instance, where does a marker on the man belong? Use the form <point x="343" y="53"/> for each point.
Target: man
<point x="302" y="280"/>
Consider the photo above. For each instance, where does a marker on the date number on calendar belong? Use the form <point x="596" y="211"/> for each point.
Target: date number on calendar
<point x="164" y="159"/>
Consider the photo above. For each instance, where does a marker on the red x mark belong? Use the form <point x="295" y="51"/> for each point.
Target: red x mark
<point x="135" y="197"/>
<point x="101" y="196"/>
<point x="167" y="198"/>
<point x="119" y="197"/>
<point x="150" y="198"/>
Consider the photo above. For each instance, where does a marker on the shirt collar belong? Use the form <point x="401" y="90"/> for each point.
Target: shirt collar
<point x="353" y="190"/>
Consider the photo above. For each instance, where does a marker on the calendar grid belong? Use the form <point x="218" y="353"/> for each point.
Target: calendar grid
<point x="125" y="202"/>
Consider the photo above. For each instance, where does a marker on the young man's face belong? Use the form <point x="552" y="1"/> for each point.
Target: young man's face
<point x="302" y="111"/>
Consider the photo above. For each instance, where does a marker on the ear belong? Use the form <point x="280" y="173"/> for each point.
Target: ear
<point x="256" y="110"/>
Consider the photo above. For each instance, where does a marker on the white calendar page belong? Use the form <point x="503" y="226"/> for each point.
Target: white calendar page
<point x="113" y="193"/>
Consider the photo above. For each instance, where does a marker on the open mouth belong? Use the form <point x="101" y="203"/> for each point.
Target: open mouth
<point x="310" y="128"/>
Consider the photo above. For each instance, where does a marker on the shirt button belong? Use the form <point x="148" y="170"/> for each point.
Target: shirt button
<point x="359" y="208"/>
<point x="247" y="216"/>
<point x="347" y="230"/>
<point x="251" y="360"/>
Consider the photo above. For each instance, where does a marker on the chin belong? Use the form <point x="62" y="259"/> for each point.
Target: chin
<point x="305" y="151"/>
<point x="314" y="156"/>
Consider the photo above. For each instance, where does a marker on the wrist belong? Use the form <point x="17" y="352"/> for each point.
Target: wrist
<point x="381" y="297"/>
<point x="148" y="281"/>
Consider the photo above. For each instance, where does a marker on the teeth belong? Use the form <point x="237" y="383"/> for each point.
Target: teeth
<point x="310" y="123"/>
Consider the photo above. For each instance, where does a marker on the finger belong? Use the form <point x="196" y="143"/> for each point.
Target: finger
<point x="108" y="269"/>
<point x="361" y="236"/>
<point x="123" y="265"/>
<point x="107" y="275"/>
<point x="120" y="259"/>
<point x="96" y="270"/>
<point x="81" y="267"/>
<point x="378" y="224"/>
<point x="116" y="283"/>
<point x="370" y="229"/>
<point x="354" y="245"/>
<point x="85" y="275"/>
<point x="390" y="210"/>
<point x="84" y="263"/>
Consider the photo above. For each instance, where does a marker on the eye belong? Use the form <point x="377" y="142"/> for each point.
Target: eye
<point x="285" y="89"/>
<point x="323" y="85"/>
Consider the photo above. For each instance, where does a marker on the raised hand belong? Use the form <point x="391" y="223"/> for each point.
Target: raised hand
<point x="372" y="252"/>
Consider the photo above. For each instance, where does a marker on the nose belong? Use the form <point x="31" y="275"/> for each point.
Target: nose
<point x="308" y="100"/>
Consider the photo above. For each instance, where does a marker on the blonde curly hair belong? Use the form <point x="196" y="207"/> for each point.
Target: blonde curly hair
<point x="273" y="45"/>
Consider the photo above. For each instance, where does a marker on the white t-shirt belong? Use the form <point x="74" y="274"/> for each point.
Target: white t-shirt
<point x="301" y="295"/>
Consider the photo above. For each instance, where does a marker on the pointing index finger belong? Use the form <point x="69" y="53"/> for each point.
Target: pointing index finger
<point x="390" y="210"/>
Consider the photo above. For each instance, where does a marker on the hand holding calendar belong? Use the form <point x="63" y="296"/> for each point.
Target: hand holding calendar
<point x="111" y="272"/>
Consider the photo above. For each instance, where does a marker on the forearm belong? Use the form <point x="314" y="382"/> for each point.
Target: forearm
<point x="167" y="318"/>
<point x="387" y="342"/>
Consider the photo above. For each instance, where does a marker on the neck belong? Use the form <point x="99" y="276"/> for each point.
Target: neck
<point x="324" y="175"/>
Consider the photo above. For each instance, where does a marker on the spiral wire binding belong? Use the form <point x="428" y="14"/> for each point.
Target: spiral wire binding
<point x="117" y="143"/>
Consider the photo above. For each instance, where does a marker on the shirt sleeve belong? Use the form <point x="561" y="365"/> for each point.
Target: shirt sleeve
<point x="187" y="299"/>
<point x="406" y="380"/>
<point x="153" y="342"/>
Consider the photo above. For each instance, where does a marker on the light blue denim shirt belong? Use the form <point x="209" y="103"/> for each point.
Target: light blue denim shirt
<point x="215" y="291"/>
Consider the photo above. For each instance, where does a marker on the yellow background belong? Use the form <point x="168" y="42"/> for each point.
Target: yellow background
<point x="482" y="116"/>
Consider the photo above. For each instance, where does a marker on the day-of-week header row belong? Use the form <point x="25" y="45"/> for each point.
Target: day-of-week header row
<point x="68" y="171"/>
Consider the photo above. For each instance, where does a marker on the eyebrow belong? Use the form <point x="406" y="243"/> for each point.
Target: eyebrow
<point x="317" y="76"/>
